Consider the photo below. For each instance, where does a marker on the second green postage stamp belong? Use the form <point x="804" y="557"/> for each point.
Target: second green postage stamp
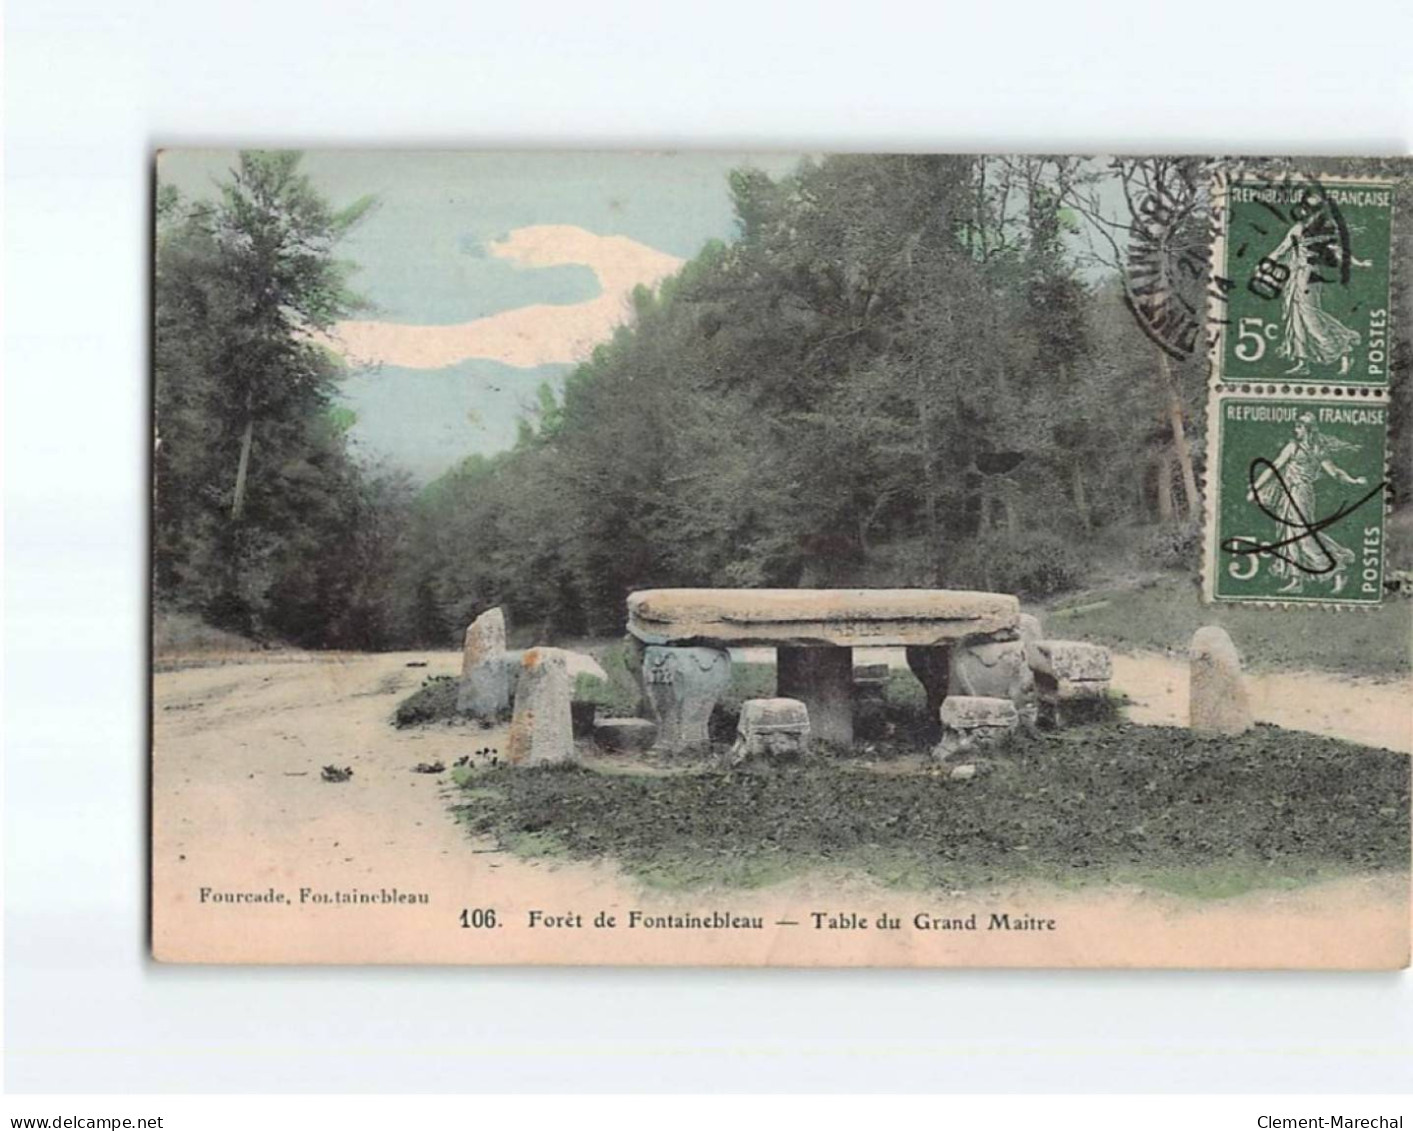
<point x="1298" y="513"/>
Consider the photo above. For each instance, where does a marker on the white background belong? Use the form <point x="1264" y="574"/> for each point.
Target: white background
<point x="92" y="87"/>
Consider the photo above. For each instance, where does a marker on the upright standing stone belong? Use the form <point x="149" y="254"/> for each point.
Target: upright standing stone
<point x="1217" y="698"/>
<point x="822" y="678"/>
<point x="488" y="672"/>
<point x="683" y="685"/>
<point x="485" y="638"/>
<point x="541" y="731"/>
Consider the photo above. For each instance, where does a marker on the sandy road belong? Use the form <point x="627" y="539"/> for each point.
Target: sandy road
<point x="239" y="809"/>
<point x="1370" y="712"/>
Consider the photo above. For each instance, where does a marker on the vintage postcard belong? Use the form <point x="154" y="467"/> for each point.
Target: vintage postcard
<point x="801" y="560"/>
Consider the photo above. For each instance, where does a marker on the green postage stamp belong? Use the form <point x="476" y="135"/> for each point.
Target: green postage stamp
<point x="1298" y="414"/>
<point x="1302" y="267"/>
<point x="1299" y="499"/>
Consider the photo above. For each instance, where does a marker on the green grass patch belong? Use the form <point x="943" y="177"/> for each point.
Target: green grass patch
<point x="1204" y="817"/>
<point x="465" y="778"/>
<point x="679" y="871"/>
<point x="618" y="697"/>
<point x="537" y="845"/>
<point x="1228" y="878"/>
<point x="1163" y="615"/>
<point x="433" y="702"/>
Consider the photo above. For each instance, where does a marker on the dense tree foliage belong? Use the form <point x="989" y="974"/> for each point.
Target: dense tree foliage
<point x="262" y="522"/>
<point x="903" y="371"/>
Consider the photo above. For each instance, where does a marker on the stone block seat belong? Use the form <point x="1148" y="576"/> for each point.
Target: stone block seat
<point x="775" y="729"/>
<point x="814" y="632"/>
<point x="1068" y="672"/>
<point x="972" y="720"/>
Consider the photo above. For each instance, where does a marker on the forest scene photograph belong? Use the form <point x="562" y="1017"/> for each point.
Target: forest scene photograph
<point x="735" y="544"/>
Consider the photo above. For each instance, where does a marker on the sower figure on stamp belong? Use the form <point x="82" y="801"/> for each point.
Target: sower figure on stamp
<point x="1286" y="489"/>
<point x="1311" y="333"/>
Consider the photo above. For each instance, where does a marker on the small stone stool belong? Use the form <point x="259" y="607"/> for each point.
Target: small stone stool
<point x="625" y="734"/>
<point x="1069" y="671"/>
<point x="777" y="730"/>
<point x="969" y="721"/>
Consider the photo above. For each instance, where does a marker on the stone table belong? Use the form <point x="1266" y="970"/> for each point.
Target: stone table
<point x="680" y="633"/>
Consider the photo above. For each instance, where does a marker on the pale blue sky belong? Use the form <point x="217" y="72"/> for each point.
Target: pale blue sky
<point x="421" y="256"/>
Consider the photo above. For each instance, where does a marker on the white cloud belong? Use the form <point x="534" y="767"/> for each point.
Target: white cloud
<point x="540" y="334"/>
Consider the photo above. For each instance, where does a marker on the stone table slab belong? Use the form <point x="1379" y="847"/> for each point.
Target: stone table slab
<point x="844" y="618"/>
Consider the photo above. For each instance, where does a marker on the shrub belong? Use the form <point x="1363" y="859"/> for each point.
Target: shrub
<point x="434" y="701"/>
<point x="619" y="697"/>
<point x="1172" y="546"/>
<point x="1034" y="564"/>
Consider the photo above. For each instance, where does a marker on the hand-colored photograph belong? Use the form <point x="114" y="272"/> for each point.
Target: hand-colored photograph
<point x="754" y="559"/>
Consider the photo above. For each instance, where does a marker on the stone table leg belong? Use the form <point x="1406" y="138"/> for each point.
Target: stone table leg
<point x="822" y="678"/>
<point x="683" y="685"/>
<point x="932" y="665"/>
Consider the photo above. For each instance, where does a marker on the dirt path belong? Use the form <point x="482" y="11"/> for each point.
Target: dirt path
<point x="1370" y="712"/>
<point x="239" y="808"/>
